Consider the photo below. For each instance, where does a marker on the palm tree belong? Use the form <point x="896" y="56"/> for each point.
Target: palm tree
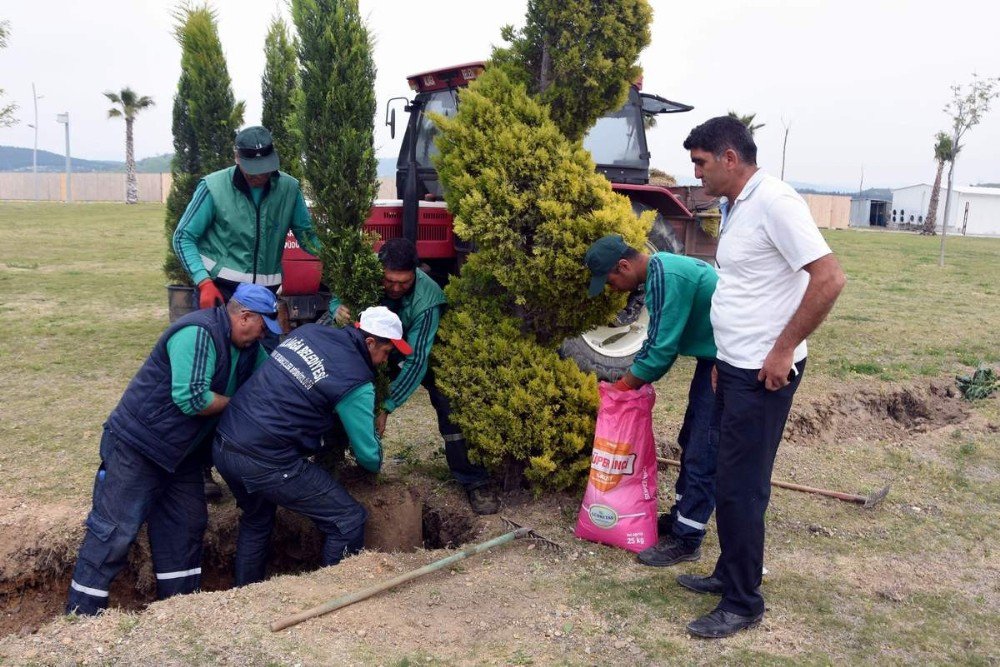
<point x="747" y="121"/>
<point x="128" y="105"/>
<point x="944" y="151"/>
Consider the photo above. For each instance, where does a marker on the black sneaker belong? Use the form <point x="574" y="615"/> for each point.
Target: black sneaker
<point x="719" y="623"/>
<point x="668" y="551"/>
<point x="213" y="491"/>
<point x="705" y="585"/>
<point x="484" y="500"/>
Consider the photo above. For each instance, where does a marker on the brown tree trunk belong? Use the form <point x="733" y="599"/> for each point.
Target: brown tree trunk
<point x="933" y="206"/>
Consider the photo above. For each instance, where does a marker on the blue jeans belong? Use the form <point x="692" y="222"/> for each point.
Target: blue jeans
<point x="130" y="490"/>
<point x="752" y="420"/>
<point x="694" y="492"/>
<point x="303" y="487"/>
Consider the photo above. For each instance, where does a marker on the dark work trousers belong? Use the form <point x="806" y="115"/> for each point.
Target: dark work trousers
<point x="301" y="486"/>
<point x="694" y="493"/>
<point x="752" y="420"/>
<point x="456" y="448"/>
<point x="129" y="490"/>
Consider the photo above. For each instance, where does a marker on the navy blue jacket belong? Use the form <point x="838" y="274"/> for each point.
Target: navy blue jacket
<point x="147" y="417"/>
<point x="280" y="414"/>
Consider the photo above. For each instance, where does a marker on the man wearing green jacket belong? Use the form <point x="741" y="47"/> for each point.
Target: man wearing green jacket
<point x="418" y="301"/>
<point x="678" y="295"/>
<point x="234" y="228"/>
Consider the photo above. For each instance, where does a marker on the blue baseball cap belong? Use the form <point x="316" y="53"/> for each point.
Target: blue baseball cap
<point x="260" y="300"/>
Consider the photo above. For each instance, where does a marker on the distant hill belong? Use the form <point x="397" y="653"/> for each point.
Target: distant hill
<point x="158" y="164"/>
<point x="14" y="158"/>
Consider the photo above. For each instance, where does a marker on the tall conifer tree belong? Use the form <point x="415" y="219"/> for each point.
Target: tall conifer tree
<point x="338" y="85"/>
<point x="282" y="95"/>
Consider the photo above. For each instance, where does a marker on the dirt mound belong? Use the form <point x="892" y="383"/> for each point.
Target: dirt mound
<point x="875" y="414"/>
<point x="38" y="546"/>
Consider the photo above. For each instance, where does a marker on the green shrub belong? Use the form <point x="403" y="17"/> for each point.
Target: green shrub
<point x="515" y="400"/>
<point x="578" y="57"/>
<point x="530" y="200"/>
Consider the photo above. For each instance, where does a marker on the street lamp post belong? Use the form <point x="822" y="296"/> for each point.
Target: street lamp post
<point x="64" y="118"/>
<point x="34" y="154"/>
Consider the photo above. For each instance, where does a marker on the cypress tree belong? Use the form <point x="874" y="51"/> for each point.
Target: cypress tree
<point x="578" y="56"/>
<point x="524" y="190"/>
<point x="205" y="118"/>
<point x="338" y="79"/>
<point x="281" y="95"/>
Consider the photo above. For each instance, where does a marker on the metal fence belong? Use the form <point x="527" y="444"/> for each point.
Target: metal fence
<point x="85" y="187"/>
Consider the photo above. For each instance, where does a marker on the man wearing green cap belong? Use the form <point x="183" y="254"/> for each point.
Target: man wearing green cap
<point x="234" y="229"/>
<point x="678" y="296"/>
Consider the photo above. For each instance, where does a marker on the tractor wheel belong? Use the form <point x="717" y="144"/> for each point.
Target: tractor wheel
<point x="608" y="351"/>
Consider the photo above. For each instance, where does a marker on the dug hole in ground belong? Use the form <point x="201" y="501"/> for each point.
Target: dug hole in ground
<point x="513" y="605"/>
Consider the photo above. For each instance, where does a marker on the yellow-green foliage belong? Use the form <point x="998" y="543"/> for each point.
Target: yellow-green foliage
<point x="578" y="56"/>
<point x="530" y="200"/>
<point x="515" y="399"/>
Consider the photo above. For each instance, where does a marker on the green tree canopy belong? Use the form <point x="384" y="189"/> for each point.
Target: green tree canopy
<point x="747" y="120"/>
<point x="578" y="56"/>
<point x="282" y="95"/>
<point x="338" y="79"/>
<point x="531" y="201"/>
<point x="6" y="110"/>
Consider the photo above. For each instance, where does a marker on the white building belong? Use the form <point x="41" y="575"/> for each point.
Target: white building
<point x="974" y="211"/>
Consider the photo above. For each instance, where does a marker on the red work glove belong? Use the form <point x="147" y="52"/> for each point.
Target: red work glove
<point x="621" y="385"/>
<point x="209" y="295"/>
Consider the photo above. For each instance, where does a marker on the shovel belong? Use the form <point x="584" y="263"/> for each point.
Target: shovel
<point x="869" y="501"/>
<point x="519" y="532"/>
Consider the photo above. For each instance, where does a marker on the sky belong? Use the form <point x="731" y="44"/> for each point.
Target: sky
<point x="860" y="84"/>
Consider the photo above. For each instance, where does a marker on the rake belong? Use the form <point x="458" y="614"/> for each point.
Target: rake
<point x="518" y="532"/>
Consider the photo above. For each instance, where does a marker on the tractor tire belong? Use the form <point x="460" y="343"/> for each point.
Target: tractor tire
<point x="608" y="351"/>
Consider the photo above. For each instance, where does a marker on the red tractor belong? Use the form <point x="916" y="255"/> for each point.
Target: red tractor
<point x="618" y="145"/>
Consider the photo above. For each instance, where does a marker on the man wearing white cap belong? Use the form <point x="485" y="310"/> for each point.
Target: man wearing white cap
<point x="276" y="421"/>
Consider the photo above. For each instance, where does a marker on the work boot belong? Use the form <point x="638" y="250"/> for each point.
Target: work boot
<point x="668" y="551"/>
<point x="213" y="491"/>
<point x="706" y="585"/>
<point x="484" y="500"/>
<point x="719" y="623"/>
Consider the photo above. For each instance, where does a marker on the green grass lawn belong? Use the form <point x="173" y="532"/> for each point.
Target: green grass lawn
<point x="82" y="300"/>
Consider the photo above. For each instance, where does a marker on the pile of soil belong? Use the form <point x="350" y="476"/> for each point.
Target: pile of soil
<point x="890" y="413"/>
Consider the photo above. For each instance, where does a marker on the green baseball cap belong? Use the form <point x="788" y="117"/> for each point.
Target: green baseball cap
<point x="256" y="150"/>
<point x="601" y="258"/>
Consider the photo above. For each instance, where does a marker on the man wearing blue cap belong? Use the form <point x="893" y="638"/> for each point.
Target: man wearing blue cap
<point x="234" y="228"/>
<point x="678" y="296"/>
<point x="155" y="444"/>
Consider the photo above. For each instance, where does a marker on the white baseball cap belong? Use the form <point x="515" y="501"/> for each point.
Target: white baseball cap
<point x="382" y="322"/>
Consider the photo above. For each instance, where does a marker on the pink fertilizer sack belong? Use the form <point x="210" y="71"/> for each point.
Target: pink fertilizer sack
<point x="619" y="505"/>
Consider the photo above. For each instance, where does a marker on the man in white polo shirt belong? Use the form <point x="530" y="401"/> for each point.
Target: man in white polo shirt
<point x="778" y="280"/>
